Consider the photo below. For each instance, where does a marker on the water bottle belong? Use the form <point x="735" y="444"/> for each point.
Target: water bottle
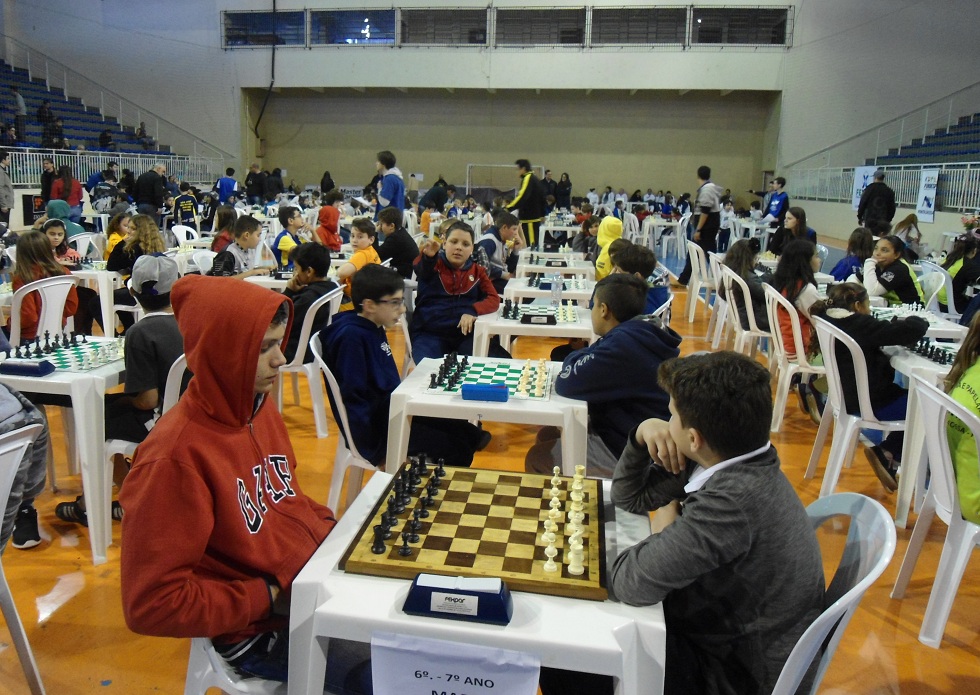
<point x="556" y="287"/>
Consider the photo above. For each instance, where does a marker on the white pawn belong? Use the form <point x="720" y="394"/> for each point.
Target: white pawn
<point x="550" y="565"/>
<point x="575" y="565"/>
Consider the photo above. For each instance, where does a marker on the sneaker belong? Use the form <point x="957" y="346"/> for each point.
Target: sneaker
<point x="71" y="512"/>
<point x="882" y="467"/>
<point x="484" y="442"/>
<point x="25" y="529"/>
<point x="813" y="406"/>
<point x="677" y="284"/>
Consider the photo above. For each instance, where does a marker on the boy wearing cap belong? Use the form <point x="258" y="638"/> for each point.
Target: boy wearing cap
<point x="153" y="344"/>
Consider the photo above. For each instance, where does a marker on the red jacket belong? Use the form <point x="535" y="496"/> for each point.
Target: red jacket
<point x="329" y="229"/>
<point x="222" y="241"/>
<point x="446" y="293"/>
<point x="30" y="308"/>
<point x="214" y="512"/>
<point x="74" y="198"/>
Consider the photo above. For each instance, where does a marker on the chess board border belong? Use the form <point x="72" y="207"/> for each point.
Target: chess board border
<point x="516" y="368"/>
<point x="569" y="587"/>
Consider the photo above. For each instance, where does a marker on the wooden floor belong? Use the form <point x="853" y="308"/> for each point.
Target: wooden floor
<point x="74" y="619"/>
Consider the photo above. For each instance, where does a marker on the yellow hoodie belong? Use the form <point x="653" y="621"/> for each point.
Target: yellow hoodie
<point x="609" y="229"/>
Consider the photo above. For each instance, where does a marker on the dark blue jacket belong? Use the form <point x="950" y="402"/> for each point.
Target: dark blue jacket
<point x="445" y="294"/>
<point x="617" y="375"/>
<point x="358" y="354"/>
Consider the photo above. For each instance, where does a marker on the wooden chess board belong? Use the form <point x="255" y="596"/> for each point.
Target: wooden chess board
<point x="489" y="524"/>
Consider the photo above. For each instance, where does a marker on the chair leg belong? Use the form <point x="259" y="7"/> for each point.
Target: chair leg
<point x="782" y="395"/>
<point x="693" y="293"/>
<point x="355" y="481"/>
<point x="279" y="388"/>
<point x="316" y="397"/>
<point x="919" y="533"/>
<point x="19" y="637"/>
<point x="841" y="449"/>
<point x="295" y="378"/>
<point x="960" y="539"/>
<point x="818" y="443"/>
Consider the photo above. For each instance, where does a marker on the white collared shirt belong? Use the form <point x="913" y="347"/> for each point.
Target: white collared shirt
<point x="701" y="475"/>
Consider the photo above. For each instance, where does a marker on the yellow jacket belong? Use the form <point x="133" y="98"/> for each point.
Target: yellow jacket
<point x="609" y="229"/>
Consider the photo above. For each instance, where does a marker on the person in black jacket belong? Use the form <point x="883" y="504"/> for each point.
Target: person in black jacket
<point x="150" y="190"/>
<point x="529" y="204"/>
<point x="848" y="307"/>
<point x="311" y="262"/>
<point x="398" y="244"/>
<point x="877" y="205"/>
<point x="326" y="183"/>
<point x="255" y="185"/>
<point x="48" y="175"/>
<point x="274" y="185"/>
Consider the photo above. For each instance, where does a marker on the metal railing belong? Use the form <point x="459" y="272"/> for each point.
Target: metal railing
<point x="25" y="165"/>
<point x="941" y="114"/>
<point x="958" y="188"/>
<point x="71" y="84"/>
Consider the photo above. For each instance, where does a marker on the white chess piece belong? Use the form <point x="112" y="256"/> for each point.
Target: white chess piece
<point x="550" y="565"/>
<point x="575" y="557"/>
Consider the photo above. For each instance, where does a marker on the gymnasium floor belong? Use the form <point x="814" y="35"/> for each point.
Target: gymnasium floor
<point x="74" y="618"/>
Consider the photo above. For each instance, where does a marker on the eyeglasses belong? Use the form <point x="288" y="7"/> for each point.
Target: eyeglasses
<point x="390" y="302"/>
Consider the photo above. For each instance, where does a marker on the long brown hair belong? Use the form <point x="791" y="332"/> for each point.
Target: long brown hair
<point x="115" y="224"/>
<point x="64" y="174"/>
<point x="35" y="258"/>
<point x="741" y="257"/>
<point x="967" y="355"/>
<point x="145" y="233"/>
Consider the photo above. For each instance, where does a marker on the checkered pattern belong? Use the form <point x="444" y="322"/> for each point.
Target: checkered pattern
<point x="72" y="358"/>
<point x="478" y="372"/>
<point x="565" y="313"/>
<point x="489" y="524"/>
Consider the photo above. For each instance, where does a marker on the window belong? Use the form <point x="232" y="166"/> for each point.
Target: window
<point x="352" y="27"/>
<point x="444" y="27"/>
<point x="541" y="27"/>
<point x="648" y="25"/>
<point x="767" y="27"/>
<point x="249" y="29"/>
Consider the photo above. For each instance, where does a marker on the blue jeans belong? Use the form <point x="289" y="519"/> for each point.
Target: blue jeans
<point x="896" y="410"/>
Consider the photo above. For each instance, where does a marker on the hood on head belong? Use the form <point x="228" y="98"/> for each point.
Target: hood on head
<point x="223" y="321"/>
<point x="609" y="229"/>
<point x="58" y="209"/>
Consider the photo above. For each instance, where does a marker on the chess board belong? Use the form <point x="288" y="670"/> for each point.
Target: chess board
<point x="904" y="311"/>
<point x="489" y="372"/>
<point x="940" y="353"/>
<point x="82" y="357"/>
<point x="566" y="313"/>
<point x="489" y="524"/>
<point x="570" y="284"/>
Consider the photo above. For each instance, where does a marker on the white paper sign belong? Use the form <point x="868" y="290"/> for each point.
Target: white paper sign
<point x="925" y="208"/>
<point x="407" y="665"/>
<point x="862" y="177"/>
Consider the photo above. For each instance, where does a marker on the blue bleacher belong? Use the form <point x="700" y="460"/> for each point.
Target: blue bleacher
<point x="82" y="125"/>
<point x="958" y="143"/>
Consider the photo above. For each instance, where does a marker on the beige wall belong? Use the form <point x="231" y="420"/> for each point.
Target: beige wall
<point x="655" y="139"/>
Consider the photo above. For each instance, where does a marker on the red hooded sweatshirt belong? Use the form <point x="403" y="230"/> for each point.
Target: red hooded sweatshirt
<point x="214" y="512"/>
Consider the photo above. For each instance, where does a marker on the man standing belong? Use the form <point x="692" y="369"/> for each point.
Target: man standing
<point x="708" y="205"/>
<point x="778" y="203"/>
<point x="20" y="113"/>
<point x="48" y="176"/>
<point x="6" y="188"/>
<point x="391" y="189"/>
<point x="529" y="204"/>
<point x="550" y="185"/>
<point x="150" y="189"/>
<point x="255" y="185"/>
<point x="226" y="186"/>
<point x="98" y="177"/>
<point x="877" y="206"/>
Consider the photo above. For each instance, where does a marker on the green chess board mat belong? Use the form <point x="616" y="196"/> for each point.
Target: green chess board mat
<point x="479" y="372"/>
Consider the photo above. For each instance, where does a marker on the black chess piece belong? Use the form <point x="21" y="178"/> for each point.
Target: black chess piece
<point x="37" y="347"/>
<point x="440" y="472"/>
<point x="405" y="550"/>
<point x="387" y="521"/>
<point x="84" y="338"/>
<point x="379" y="546"/>
<point x="432" y="381"/>
<point x="416" y="524"/>
<point x="47" y="343"/>
<point x="399" y="505"/>
<point x="423" y="508"/>
<point x="428" y="500"/>
<point x="74" y="338"/>
<point x="412" y="536"/>
<point x="423" y="468"/>
<point x="432" y="489"/>
<point x="17" y="352"/>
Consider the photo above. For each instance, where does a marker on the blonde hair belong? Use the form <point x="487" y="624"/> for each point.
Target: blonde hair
<point x="145" y="233"/>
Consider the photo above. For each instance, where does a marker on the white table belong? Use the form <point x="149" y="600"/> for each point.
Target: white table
<point x="553" y="228"/>
<point x="517" y="289"/>
<point x="202" y="242"/>
<point x="87" y="391"/>
<point x="939" y="327"/>
<point x="551" y="255"/>
<point x="604" y="637"/>
<point x="106" y="281"/>
<point x="907" y="362"/>
<point x="573" y="267"/>
<point x="494" y="324"/>
<point x="411" y="398"/>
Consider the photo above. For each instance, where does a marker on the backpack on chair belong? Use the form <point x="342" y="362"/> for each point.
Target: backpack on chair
<point x="223" y="265"/>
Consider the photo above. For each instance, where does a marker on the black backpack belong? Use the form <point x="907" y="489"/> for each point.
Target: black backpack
<point x="223" y="265"/>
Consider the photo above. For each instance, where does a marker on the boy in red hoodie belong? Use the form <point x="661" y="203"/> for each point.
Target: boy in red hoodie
<point x="216" y="526"/>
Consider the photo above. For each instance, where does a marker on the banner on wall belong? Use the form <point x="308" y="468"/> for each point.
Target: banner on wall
<point x="862" y="177"/>
<point x="925" y="208"/>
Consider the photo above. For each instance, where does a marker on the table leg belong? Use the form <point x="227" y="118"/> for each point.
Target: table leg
<point x="307" y="660"/>
<point x="399" y="427"/>
<point x="913" y="453"/>
<point x="574" y="438"/>
<point x="481" y="340"/>
<point x="89" y="409"/>
<point x="105" y="290"/>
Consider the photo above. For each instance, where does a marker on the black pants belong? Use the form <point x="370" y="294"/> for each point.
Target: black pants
<point x="531" y="232"/>
<point x="454" y="441"/>
<point x="119" y="296"/>
<point x="123" y="421"/>
<point x="708" y="245"/>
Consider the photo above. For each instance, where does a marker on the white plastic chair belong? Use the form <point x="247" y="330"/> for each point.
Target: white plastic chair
<point x="786" y="368"/>
<point x="846" y="426"/>
<point x="54" y="291"/>
<point x="183" y="233"/>
<point x="746" y="339"/>
<point x="411" y="222"/>
<point x="868" y="550"/>
<point x="822" y="253"/>
<point x="631" y="229"/>
<point x="928" y="268"/>
<point x="85" y="245"/>
<point x="11" y="252"/>
<point x="203" y="259"/>
<point x="663" y="311"/>
<point x="942" y="500"/>
<point x="296" y="366"/>
<point x="700" y="280"/>
<point x="346" y="456"/>
<point x="205" y="669"/>
<point x="715" y="262"/>
<point x="408" y="363"/>
<point x="13" y="445"/>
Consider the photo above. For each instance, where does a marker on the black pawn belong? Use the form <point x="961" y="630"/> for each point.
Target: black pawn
<point x="416" y="514"/>
<point x="17" y="352"/>
<point x="387" y="521"/>
<point x="379" y="544"/>
<point x="440" y="472"/>
<point x="37" y="348"/>
<point x="432" y="381"/>
<point x="409" y="533"/>
<point x="432" y="489"/>
<point x="405" y="550"/>
<point x="399" y="506"/>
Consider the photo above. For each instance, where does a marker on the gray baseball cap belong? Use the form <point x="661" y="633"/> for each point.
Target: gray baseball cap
<point x="160" y="270"/>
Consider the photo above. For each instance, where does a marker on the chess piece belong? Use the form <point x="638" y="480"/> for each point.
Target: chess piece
<point x="432" y="381"/>
<point x="408" y="532"/>
<point x="440" y="472"/>
<point x="399" y="494"/>
<point x="379" y="545"/>
<point x="405" y="550"/>
<point x="17" y="352"/>
<point x="432" y="489"/>
<point x="550" y="565"/>
<point x="575" y="565"/>
<point x="416" y="514"/>
<point x="428" y="501"/>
